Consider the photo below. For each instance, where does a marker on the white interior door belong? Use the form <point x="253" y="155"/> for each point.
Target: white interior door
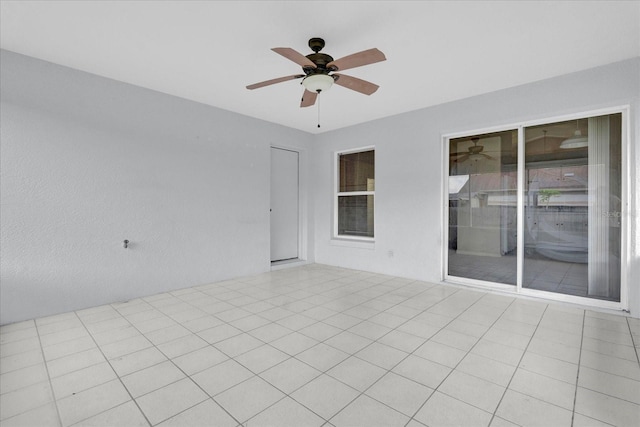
<point x="284" y="204"/>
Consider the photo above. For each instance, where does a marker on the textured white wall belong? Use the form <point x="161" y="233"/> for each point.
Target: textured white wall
<point x="87" y="162"/>
<point x="409" y="167"/>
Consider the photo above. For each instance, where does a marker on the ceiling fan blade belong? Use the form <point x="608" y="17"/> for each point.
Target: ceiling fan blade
<point x="294" y="56"/>
<point x="354" y="83"/>
<point x="487" y="156"/>
<point x="308" y="98"/>
<point x="274" y="81"/>
<point x="462" y="158"/>
<point x="359" y="59"/>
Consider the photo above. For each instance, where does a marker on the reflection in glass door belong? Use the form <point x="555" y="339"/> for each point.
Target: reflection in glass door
<point x="572" y="221"/>
<point x="482" y="207"/>
<point x="570" y="208"/>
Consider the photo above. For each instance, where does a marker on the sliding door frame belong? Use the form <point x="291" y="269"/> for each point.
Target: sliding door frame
<point x="625" y="215"/>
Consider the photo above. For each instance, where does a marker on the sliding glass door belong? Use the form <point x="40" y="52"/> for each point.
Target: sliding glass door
<point x="482" y="207"/>
<point x="573" y="203"/>
<point x="562" y="236"/>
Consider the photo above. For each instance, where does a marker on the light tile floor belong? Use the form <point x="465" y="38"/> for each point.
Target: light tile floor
<point x="322" y="346"/>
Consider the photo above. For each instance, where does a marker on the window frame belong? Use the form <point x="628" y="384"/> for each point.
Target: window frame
<point x="337" y="194"/>
<point x="519" y="289"/>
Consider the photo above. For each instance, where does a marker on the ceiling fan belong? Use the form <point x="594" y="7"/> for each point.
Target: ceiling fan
<point x="320" y="71"/>
<point x="475" y="153"/>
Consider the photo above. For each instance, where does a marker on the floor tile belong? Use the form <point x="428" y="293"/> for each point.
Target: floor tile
<point x="442" y="410"/>
<point x="320" y="331"/>
<point x="348" y="342"/>
<point x="607" y="409"/>
<point x="455" y="339"/>
<point x="221" y="377"/>
<point x="370" y="330"/>
<point x="117" y="334"/>
<point x="609" y="384"/>
<point x="488" y="369"/>
<point x="238" y="344"/>
<point x="126" y="414"/>
<point x="322" y="357"/>
<point x="170" y="400"/>
<point x="247" y="399"/>
<point x="499" y="352"/>
<point x="369" y="412"/>
<point x="207" y="413"/>
<point x="527" y="411"/>
<point x="610" y="364"/>
<point x="46" y="415"/>
<point x="151" y="378"/>
<point x="402" y="340"/>
<point x="270" y="332"/>
<point x="294" y="343"/>
<point x="91" y="402"/>
<point x="167" y="334"/>
<point x="124" y="347"/>
<point x="290" y="375"/>
<point x="357" y="373"/>
<point x="24" y="377"/>
<point x="580" y="420"/>
<point x="261" y="358"/>
<point x="25" y="399"/>
<point x="67" y="348"/>
<point x="550" y="367"/>
<point x="381" y="355"/>
<point x="136" y="361"/>
<point x="219" y="333"/>
<point x="440" y="353"/>
<point x="199" y="360"/>
<point x="424" y="371"/>
<point x="181" y="346"/>
<point x="400" y="393"/>
<point x="325" y="396"/>
<point x="349" y="319"/>
<point x="286" y="413"/>
<point x="472" y="390"/>
<point x="22" y="360"/>
<point x="83" y="379"/>
<point x="544" y="388"/>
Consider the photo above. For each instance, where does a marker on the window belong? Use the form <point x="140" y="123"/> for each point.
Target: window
<point x="355" y="191"/>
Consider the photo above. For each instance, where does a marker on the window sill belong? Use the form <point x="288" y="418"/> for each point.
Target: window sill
<point x="353" y="243"/>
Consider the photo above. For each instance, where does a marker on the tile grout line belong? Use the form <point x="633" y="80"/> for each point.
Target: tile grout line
<point x="177" y="367"/>
<point x="633" y="341"/>
<point x="331" y="367"/>
<point x="46" y="367"/>
<point x="575" y="394"/>
<point x="114" y="371"/>
<point x="518" y="364"/>
<point x="469" y="351"/>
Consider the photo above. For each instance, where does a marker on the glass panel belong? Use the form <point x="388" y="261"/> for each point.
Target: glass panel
<point x="357" y="171"/>
<point x="572" y="218"/>
<point x="355" y="216"/>
<point x="483" y="207"/>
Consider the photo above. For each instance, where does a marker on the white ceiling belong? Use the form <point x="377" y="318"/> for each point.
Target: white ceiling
<point x="208" y="51"/>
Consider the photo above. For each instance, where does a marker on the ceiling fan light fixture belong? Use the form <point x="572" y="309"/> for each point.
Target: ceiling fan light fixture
<point x="317" y="82"/>
<point x="576" y="141"/>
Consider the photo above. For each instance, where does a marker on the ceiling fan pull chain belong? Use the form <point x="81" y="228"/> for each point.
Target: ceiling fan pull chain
<point x="318" y="108"/>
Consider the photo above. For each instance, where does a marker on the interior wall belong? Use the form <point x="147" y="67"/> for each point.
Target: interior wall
<point x="87" y="162"/>
<point x="409" y="168"/>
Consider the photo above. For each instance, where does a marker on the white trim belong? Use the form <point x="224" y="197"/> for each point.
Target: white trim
<point x="520" y="170"/>
<point x="340" y="238"/>
<point x="625" y="229"/>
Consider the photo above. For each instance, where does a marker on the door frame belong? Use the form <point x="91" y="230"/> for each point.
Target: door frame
<point x="303" y="226"/>
<point x="625" y="256"/>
